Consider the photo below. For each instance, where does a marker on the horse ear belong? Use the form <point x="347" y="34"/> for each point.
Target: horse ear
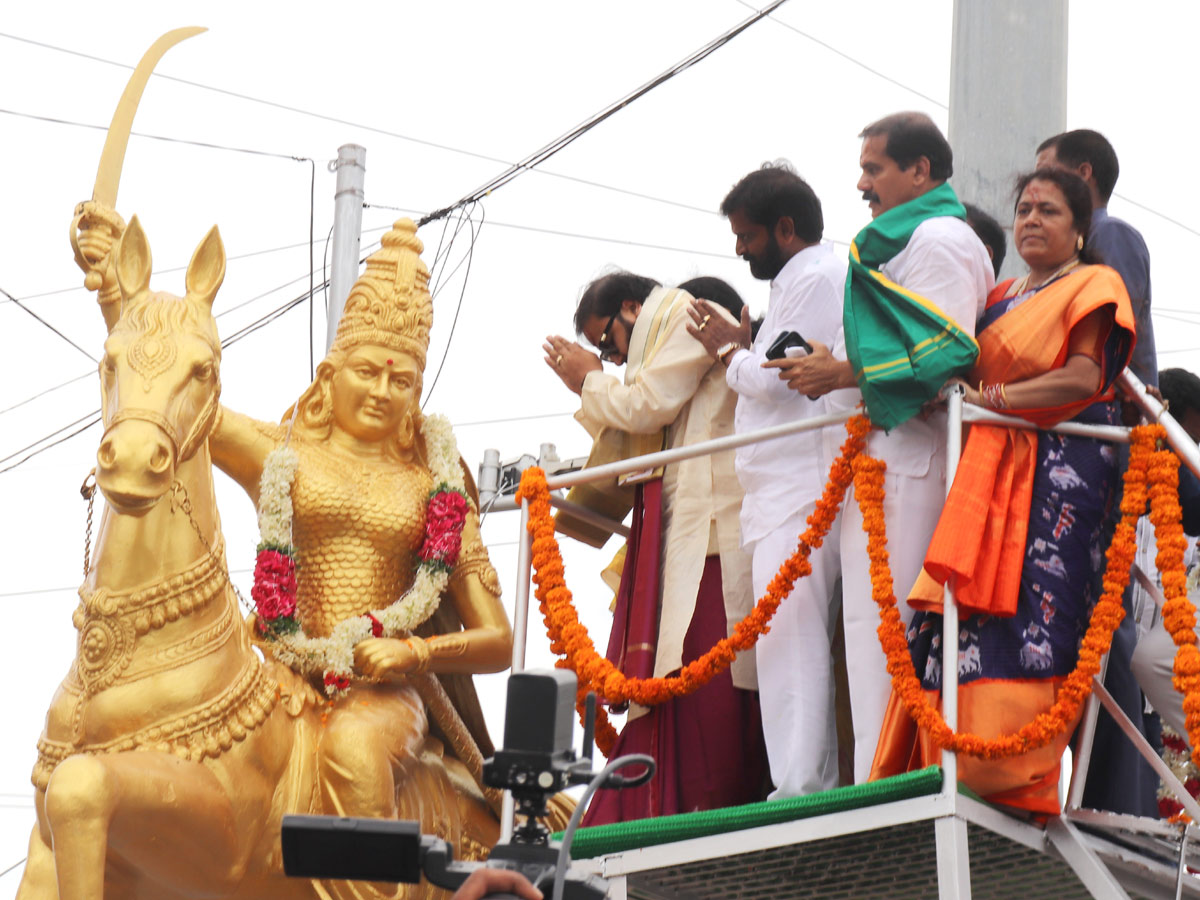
<point x="206" y="271"/>
<point x="133" y="261"/>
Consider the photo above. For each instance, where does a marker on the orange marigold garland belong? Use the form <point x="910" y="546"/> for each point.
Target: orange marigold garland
<point x="1106" y="616"/>
<point x="1179" y="615"/>
<point x="570" y="640"/>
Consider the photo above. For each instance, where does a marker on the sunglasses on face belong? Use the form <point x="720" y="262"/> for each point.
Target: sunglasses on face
<point x="607" y="344"/>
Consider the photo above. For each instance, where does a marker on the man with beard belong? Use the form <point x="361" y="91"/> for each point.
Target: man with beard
<point x="776" y="219"/>
<point x="918" y="261"/>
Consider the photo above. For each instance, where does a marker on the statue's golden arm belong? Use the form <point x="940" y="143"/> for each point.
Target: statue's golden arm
<point x="484" y="644"/>
<point x="486" y="638"/>
<point x="239" y="446"/>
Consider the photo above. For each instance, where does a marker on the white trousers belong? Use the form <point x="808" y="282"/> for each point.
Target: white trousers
<point x="795" y="669"/>
<point x="911" y="508"/>
<point x="1154" y="666"/>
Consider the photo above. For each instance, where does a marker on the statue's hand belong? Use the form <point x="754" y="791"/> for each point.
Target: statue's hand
<point x="384" y="658"/>
<point x="95" y="230"/>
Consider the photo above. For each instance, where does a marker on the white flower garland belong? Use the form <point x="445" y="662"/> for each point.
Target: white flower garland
<point x="335" y="653"/>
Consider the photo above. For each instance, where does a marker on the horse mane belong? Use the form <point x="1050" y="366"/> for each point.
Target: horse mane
<point x="161" y="315"/>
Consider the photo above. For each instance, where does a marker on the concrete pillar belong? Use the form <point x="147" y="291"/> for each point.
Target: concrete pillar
<point x="1008" y="93"/>
<point x="348" y="197"/>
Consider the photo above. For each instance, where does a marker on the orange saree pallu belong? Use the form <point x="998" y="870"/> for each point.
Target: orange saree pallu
<point x="1018" y="539"/>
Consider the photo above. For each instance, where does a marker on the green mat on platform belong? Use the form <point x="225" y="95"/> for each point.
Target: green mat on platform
<point x="602" y="839"/>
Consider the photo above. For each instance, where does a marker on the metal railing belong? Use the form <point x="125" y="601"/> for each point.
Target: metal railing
<point x="958" y="413"/>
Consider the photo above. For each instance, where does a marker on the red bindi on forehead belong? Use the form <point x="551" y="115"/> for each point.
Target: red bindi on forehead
<point x="389" y="362"/>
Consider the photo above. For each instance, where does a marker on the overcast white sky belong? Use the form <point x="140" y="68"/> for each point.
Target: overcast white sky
<point x="497" y="80"/>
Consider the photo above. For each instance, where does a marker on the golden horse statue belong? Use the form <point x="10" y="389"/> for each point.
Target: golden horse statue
<point x="171" y="751"/>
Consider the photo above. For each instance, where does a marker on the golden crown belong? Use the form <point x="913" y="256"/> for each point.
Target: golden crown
<point x="390" y="305"/>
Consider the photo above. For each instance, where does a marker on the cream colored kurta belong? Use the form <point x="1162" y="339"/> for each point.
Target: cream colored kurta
<point x="682" y="389"/>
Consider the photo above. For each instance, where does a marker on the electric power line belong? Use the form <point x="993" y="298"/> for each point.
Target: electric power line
<point x="468" y="256"/>
<point x="48" y="390"/>
<point x="19" y="862"/>
<point x="339" y="121"/>
<point x="580" y="236"/>
<point x="324" y="284"/>
<point x="312" y="220"/>
<point x="1155" y="212"/>
<point x="25" y="308"/>
<point x="157" y="272"/>
<point x="849" y="58"/>
<point x="541" y="155"/>
<point x="939" y="103"/>
<point x="94" y="416"/>
<point x="1161" y="314"/>
<point x="558" y="415"/>
<point x="529" y="163"/>
<point x="92" y="420"/>
<point x="208" y="145"/>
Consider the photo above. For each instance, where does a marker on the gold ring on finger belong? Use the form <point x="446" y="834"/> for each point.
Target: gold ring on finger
<point x="558" y="361"/>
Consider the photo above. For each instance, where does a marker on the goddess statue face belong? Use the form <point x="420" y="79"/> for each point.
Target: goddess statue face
<point x="373" y="391"/>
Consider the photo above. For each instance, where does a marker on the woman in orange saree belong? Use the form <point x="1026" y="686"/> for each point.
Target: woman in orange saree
<point x="1021" y="532"/>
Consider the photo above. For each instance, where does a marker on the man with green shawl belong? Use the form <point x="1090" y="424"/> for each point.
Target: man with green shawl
<point x="918" y="280"/>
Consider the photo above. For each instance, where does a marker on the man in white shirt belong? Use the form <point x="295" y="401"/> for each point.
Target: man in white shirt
<point x="777" y="221"/>
<point x="904" y="157"/>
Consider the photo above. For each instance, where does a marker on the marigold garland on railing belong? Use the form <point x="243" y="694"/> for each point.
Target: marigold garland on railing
<point x="1158" y="468"/>
<point x="569" y="639"/>
<point x="1106" y="616"/>
<point x="1179" y="615"/>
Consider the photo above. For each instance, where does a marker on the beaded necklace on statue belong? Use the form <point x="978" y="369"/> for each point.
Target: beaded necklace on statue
<point x="274" y="590"/>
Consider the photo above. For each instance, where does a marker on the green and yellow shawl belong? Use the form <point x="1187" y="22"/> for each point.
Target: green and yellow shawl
<point x="902" y="347"/>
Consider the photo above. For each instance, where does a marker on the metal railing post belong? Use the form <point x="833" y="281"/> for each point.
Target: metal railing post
<point x="953" y="853"/>
<point x="954" y="421"/>
<point x="520" y="638"/>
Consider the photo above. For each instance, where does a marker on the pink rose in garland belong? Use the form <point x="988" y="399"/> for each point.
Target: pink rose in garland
<point x="274" y="591"/>
<point x="445" y="514"/>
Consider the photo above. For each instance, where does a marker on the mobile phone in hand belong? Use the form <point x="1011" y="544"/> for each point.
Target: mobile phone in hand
<point x="786" y="340"/>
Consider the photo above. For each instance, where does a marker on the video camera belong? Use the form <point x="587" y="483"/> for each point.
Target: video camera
<point x="535" y="762"/>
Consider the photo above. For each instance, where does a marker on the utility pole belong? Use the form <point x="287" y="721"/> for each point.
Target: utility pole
<point x="348" y="198"/>
<point x="1008" y="93"/>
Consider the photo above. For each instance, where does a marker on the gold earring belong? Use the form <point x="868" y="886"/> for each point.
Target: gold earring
<point x="405" y="437"/>
<point x="1079" y="242"/>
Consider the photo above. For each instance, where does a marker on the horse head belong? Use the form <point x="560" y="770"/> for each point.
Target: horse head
<point x="160" y="375"/>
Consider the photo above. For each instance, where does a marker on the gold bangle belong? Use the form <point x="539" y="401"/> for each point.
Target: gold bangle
<point x="421" y="650"/>
<point x="1004" y="397"/>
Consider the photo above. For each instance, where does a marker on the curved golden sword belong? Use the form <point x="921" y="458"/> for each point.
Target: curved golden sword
<point x="101" y="210"/>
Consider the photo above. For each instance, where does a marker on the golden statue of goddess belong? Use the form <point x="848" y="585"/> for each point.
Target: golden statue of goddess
<point x="362" y="478"/>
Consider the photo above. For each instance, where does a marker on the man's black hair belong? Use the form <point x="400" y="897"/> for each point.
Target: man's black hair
<point x="722" y="293"/>
<point x="1074" y="148"/>
<point x="1181" y="389"/>
<point x="911" y="135"/>
<point x="604" y="296"/>
<point x="990" y="232"/>
<point x="769" y="193"/>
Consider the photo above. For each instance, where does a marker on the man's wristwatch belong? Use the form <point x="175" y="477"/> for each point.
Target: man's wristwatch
<point x="726" y="350"/>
